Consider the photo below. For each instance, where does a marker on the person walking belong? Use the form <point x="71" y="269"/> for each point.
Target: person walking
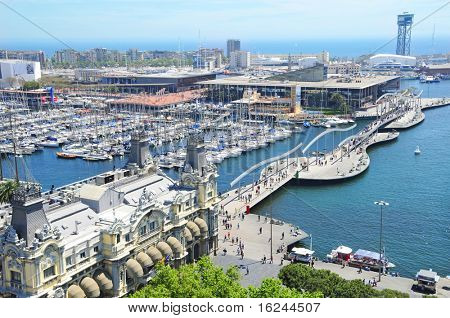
<point x="247" y="271"/>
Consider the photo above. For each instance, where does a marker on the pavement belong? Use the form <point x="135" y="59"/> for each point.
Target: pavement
<point x="411" y="118"/>
<point x="341" y="165"/>
<point x="256" y="246"/>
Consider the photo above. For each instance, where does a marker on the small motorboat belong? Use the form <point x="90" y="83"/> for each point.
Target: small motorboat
<point x="66" y="155"/>
<point x="417" y="151"/>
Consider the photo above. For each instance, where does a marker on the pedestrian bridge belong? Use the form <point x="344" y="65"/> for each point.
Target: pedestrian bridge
<point x="347" y="160"/>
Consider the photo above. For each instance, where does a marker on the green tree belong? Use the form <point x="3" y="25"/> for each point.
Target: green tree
<point x="274" y="288"/>
<point x="30" y="85"/>
<point x="205" y="280"/>
<point x="306" y="279"/>
<point x="339" y="102"/>
<point x="200" y="280"/>
<point x="7" y="189"/>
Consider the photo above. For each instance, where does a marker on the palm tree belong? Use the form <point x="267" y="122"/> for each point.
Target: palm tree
<point x="7" y="189"/>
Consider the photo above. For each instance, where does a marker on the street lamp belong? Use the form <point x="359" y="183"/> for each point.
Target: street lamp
<point x="381" y="204"/>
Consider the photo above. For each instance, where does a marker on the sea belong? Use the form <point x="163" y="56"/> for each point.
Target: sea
<point x="416" y="224"/>
<point x="343" y="48"/>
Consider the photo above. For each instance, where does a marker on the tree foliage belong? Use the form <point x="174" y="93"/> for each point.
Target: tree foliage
<point x="274" y="288"/>
<point x="30" y="85"/>
<point x="7" y="189"/>
<point x="338" y="102"/>
<point x="205" y="280"/>
<point x="306" y="279"/>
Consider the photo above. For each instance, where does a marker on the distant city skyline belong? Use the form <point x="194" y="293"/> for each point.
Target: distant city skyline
<point x="185" y="25"/>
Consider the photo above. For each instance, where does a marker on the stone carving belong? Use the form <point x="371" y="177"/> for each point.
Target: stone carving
<point x="26" y="191"/>
<point x="57" y="293"/>
<point x="187" y="168"/>
<point x="11" y="235"/>
<point x="116" y="227"/>
<point x="13" y="261"/>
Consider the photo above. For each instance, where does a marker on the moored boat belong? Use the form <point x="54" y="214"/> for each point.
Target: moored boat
<point x="301" y="254"/>
<point x="65" y="155"/>
<point x="361" y="258"/>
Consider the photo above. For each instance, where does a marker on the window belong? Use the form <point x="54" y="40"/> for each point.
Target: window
<point x="95" y="249"/>
<point x="16" y="277"/>
<point x="69" y="261"/>
<point x="83" y="254"/>
<point x="152" y="225"/>
<point x="143" y="230"/>
<point x="127" y="237"/>
<point x="118" y="238"/>
<point x="49" y="272"/>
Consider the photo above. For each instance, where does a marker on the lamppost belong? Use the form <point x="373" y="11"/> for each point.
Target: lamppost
<point x="381" y="204"/>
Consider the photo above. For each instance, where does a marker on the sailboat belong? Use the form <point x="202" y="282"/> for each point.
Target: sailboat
<point x="417" y="151"/>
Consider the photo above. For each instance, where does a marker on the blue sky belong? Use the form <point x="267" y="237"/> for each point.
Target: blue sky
<point x="174" y="20"/>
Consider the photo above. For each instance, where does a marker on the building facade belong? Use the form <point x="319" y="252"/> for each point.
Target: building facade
<point x="240" y="60"/>
<point x="14" y="72"/>
<point x="344" y="69"/>
<point x="35" y="56"/>
<point x="102" y="237"/>
<point x="233" y="45"/>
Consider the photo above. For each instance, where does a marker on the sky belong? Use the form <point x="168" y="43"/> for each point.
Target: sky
<point x="213" y="21"/>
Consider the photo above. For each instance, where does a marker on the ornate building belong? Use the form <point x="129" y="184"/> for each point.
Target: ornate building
<point x="102" y="237"/>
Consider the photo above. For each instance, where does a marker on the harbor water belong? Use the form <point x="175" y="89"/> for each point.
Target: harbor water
<point x="416" y="225"/>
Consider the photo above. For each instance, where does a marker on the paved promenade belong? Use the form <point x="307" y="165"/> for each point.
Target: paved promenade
<point x="434" y="102"/>
<point x="254" y="233"/>
<point x="256" y="246"/>
<point x="340" y="164"/>
<point x="410" y="119"/>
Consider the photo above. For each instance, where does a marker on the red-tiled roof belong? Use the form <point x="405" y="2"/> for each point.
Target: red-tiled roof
<point x="161" y="100"/>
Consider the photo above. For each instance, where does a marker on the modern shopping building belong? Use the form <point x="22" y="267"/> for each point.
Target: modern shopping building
<point x="357" y="91"/>
<point x="152" y="83"/>
<point x="14" y="72"/>
<point x="103" y="236"/>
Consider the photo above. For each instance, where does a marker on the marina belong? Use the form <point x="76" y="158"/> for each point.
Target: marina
<point x="292" y="167"/>
<point x="229" y="158"/>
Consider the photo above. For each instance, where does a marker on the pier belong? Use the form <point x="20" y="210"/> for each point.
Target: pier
<point x="347" y="160"/>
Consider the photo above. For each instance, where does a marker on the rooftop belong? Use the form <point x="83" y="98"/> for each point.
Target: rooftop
<point x="355" y="83"/>
<point x="439" y="66"/>
<point x="160" y="100"/>
<point x="168" y="74"/>
<point x="78" y="222"/>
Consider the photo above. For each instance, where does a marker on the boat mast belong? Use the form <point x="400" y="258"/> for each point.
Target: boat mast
<point x="14" y="144"/>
